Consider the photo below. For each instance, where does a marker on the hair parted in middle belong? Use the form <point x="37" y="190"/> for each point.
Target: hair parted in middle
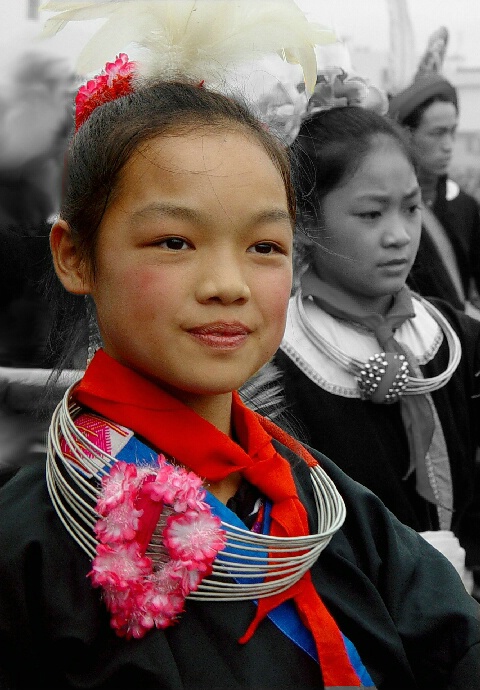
<point x="328" y="150"/>
<point x="330" y="147"/>
<point x="116" y="130"/>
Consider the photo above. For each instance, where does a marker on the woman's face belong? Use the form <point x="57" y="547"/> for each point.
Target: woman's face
<point x="371" y="228"/>
<point x="193" y="262"/>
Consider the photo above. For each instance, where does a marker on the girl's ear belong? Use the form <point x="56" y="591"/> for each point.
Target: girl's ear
<point x="69" y="266"/>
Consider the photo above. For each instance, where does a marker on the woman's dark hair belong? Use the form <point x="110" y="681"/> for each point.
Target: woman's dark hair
<point x="414" y="119"/>
<point x="101" y="148"/>
<point x="328" y="150"/>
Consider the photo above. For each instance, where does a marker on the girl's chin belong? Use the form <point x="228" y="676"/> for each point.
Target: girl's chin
<point x="392" y="282"/>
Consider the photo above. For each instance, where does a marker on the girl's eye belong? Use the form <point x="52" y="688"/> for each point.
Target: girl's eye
<point x="264" y="248"/>
<point x="413" y="209"/>
<point x="175" y="243"/>
<point x="370" y="215"/>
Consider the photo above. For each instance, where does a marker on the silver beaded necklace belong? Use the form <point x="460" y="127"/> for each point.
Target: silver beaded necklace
<point x="368" y="374"/>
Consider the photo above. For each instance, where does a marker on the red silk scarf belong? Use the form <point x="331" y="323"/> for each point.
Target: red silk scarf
<point x="125" y="397"/>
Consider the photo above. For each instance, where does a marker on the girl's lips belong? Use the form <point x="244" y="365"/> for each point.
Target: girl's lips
<point x="221" y="342"/>
<point x="395" y="262"/>
<point x="223" y="336"/>
<point x="394" y="268"/>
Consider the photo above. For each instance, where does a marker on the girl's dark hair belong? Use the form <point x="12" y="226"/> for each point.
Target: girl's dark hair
<point x="101" y="148"/>
<point x="113" y="132"/>
<point x="330" y="147"/>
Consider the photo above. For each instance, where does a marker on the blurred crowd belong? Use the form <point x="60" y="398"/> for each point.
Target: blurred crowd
<point x="36" y="115"/>
<point x="35" y="121"/>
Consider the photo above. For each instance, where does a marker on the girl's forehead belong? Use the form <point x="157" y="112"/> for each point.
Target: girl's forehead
<point x="384" y="148"/>
<point x="217" y="132"/>
<point x="201" y="150"/>
<point x="380" y="143"/>
<point x="204" y="172"/>
<point x="385" y="168"/>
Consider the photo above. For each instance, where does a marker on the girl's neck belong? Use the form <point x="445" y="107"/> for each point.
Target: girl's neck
<point x="312" y="283"/>
<point x="225" y="488"/>
<point x="216" y="409"/>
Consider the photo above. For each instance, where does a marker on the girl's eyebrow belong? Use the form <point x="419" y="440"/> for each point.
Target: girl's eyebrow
<point x="166" y="209"/>
<point x="379" y="196"/>
<point x="186" y="213"/>
<point x="272" y="215"/>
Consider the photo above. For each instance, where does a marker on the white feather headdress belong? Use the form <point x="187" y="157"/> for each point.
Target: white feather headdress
<point x="199" y="38"/>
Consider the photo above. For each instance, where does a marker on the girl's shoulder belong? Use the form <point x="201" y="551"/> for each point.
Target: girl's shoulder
<point x="30" y="529"/>
<point x="466" y="327"/>
<point x="25" y="490"/>
<point x="34" y="545"/>
<point x="26" y="509"/>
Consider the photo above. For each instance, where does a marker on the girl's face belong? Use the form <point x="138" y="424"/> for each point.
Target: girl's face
<point x="193" y="262"/>
<point x="371" y="228"/>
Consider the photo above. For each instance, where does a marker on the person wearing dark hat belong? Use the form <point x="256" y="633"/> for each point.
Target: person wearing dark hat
<point x="448" y="259"/>
<point x="447" y="264"/>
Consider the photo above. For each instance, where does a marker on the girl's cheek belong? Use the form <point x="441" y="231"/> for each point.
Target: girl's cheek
<point x="279" y="296"/>
<point x="144" y="281"/>
<point x="285" y="286"/>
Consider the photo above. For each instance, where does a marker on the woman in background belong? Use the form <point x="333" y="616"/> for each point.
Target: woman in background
<point x="383" y="381"/>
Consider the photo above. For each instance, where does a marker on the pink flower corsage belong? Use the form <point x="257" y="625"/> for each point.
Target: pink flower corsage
<point x="114" y="81"/>
<point x="143" y="591"/>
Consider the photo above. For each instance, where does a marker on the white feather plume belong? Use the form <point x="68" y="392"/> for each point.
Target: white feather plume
<point x="200" y="38"/>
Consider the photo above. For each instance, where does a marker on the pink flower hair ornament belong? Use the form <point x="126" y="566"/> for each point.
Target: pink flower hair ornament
<point x="113" y="82"/>
<point x="144" y="591"/>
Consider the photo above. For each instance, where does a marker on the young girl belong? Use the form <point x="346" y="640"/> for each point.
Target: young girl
<point x="384" y="382"/>
<point x="177" y="539"/>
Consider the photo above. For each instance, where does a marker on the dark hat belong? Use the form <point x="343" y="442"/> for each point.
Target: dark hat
<point x="418" y="92"/>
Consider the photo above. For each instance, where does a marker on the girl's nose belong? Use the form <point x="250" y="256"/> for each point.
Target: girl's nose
<point x="397" y="233"/>
<point x="223" y="282"/>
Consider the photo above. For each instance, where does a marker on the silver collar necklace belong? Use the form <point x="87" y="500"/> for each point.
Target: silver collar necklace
<point x="251" y="556"/>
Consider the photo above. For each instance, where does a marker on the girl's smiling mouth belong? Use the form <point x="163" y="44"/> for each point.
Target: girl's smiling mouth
<point x="222" y="335"/>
